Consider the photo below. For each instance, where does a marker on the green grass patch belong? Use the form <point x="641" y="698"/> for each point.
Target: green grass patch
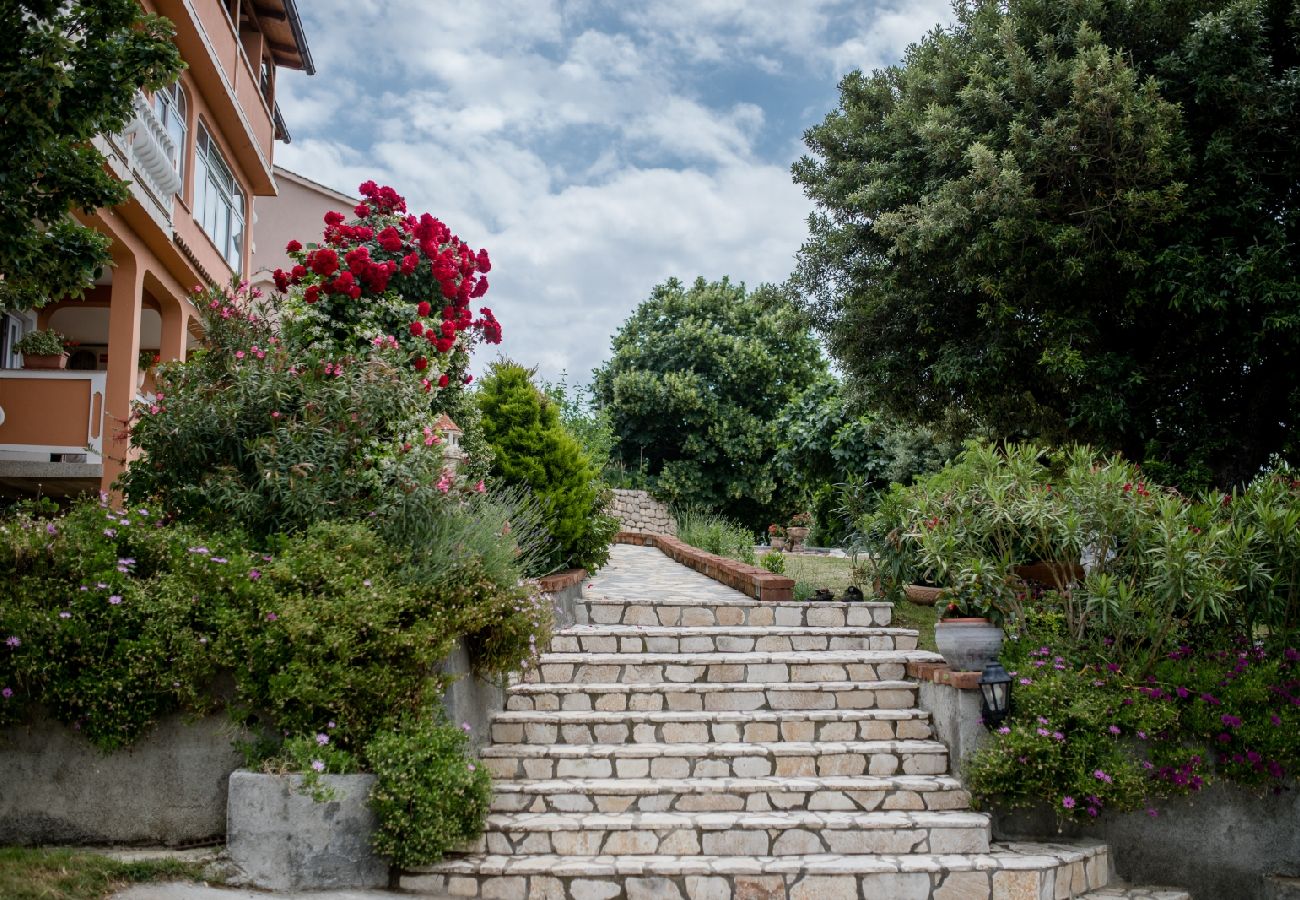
<point x="811" y="572"/>
<point x="36" y="874"/>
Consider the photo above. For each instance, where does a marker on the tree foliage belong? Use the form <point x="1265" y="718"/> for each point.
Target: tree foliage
<point x="1075" y="221"/>
<point x="532" y="449"/>
<point x="70" y="72"/>
<point x="697" y="380"/>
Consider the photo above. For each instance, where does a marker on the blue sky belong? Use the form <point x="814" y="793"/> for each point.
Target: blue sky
<point x="595" y="148"/>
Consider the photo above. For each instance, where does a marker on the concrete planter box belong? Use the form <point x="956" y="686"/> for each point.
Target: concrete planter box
<point x="283" y="840"/>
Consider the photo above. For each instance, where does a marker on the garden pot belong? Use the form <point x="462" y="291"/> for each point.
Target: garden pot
<point x="967" y="645"/>
<point x="140" y="375"/>
<point x="797" y="535"/>
<point x="54" y="361"/>
<point x="922" y="594"/>
<point x="281" y="839"/>
<point x="777" y="543"/>
<point x="1050" y="574"/>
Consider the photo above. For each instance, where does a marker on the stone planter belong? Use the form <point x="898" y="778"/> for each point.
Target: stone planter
<point x="778" y="543"/>
<point x="53" y="361"/>
<point x="967" y="645"/>
<point x="283" y="840"/>
<point x="797" y="534"/>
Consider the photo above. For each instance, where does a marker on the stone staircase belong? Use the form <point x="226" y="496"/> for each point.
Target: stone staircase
<point x="694" y="743"/>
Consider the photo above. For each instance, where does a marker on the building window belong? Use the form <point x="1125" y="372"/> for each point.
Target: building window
<point x="218" y="201"/>
<point x="169" y="106"/>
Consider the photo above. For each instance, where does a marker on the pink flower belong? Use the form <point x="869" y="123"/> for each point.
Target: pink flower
<point x="480" y="487"/>
<point x="271" y="617"/>
<point x="317" y="765"/>
<point x="444" y="483"/>
<point x="1067" y="802"/>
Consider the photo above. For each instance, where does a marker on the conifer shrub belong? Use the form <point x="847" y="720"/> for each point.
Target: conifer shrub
<point x="531" y="448"/>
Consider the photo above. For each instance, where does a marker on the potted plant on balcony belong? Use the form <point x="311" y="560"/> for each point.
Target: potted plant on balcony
<point x="148" y="359"/>
<point x="43" y="349"/>
<point x="798" y="529"/>
<point x="969" y="632"/>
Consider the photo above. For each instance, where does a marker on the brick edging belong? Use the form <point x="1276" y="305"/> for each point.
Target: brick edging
<point x="753" y="581"/>
<point x="558" y="581"/>
<point x="939" y="673"/>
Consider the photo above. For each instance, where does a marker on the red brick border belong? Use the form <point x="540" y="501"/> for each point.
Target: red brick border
<point x="754" y="581"/>
<point x="558" y="581"/>
<point x="939" y="673"/>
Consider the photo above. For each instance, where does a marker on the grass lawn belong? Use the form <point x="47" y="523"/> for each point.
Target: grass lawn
<point x="34" y="874"/>
<point x="814" y="572"/>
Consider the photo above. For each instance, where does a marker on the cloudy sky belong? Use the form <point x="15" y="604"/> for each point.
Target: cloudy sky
<point x="595" y="147"/>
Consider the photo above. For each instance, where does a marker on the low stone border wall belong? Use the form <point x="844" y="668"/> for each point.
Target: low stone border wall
<point x="754" y="581"/>
<point x="639" y="513"/>
<point x="953" y="701"/>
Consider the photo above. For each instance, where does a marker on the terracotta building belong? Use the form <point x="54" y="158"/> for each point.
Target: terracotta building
<point x="196" y="154"/>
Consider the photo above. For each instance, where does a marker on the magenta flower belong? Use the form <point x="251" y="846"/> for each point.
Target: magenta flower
<point x="271" y="617"/>
<point x="254" y="574"/>
<point x="1067" y="802"/>
<point x="1114" y="729"/>
<point x="13" y="641"/>
<point x="115" y="599"/>
<point x="1230" y="721"/>
<point x="317" y="765"/>
<point x="1102" y="776"/>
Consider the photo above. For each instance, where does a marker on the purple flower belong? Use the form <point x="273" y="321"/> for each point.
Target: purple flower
<point x="1042" y="720"/>
<point x="1043" y="732"/>
<point x="1230" y="721"/>
<point x="218" y="559"/>
<point x="1182" y="692"/>
<point x="253" y="574"/>
<point x="1056" y="735"/>
<point x="330" y="724"/>
<point x="1102" y="776"/>
<point x="13" y="641"/>
<point x="1147" y="764"/>
<point x="472" y="767"/>
<point x="1114" y="729"/>
<point x="1004" y="730"/>
<point x="51" y="529"/>
<point x="115" y="599"/>
<point x="109" y="532"/>
<point x="317" y="765"/>
<point x="271" y="617"/>
<point x="366" y="582"/>
<point x="1291" y="654"/>
<point x="1026" y="681"/>
<point x="464" y="726"/>
<point x="7" y="692"/>
<point x="1067" y="802"/>
<point x="200" y="550"/>
<point x="322" y="739"/>
<point x="65" y="615"/>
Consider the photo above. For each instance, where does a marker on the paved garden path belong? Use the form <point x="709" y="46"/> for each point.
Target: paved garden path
<point x="686" y="741"/>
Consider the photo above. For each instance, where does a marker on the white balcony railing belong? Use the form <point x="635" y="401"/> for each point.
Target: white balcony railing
<point x="153" y="151"/>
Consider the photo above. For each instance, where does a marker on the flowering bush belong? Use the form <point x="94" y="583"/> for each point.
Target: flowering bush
<point x="1088" y="737"/>
<point x="389" y="274"/>
<point x="46" y="342"/>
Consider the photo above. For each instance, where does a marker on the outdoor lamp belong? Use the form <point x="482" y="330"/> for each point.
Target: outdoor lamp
<point x="995" y="694"/>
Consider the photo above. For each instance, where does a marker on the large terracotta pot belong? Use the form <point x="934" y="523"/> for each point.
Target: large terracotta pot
<point x="54" y="361"/>
<point x="967" y="645"/>
<point x="922" y="595"/>
<point x="797" y="535"/>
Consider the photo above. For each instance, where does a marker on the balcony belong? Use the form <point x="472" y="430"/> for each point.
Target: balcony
<point x="51" y="430"/>
<point x="142" y="154"/>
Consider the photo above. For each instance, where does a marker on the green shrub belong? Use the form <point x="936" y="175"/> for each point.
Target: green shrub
<point x="531" y="449"/>
<point x="772" y="561"/>
<point x="430" y="797"/>
<point x="715" y="534"/>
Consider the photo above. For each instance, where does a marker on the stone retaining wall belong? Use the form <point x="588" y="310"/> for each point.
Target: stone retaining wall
<point x="639" y="513"/>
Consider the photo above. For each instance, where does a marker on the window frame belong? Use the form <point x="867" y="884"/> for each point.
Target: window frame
<point x="220" y="205"/>
<point x="172" y="107"/>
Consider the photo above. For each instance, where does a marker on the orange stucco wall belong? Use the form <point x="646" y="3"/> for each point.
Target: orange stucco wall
<point x="51" y="411"/>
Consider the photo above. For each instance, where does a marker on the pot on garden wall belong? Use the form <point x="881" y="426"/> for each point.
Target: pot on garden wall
<point x="923" y="594"/>
<point x="777" y="543"/>
<point x="53" y="361"/>
<point x="967" y="645"/>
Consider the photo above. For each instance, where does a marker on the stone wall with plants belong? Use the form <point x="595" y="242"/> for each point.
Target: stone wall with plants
<point x="1158" y="656"/>
<point x="292" y="546"/>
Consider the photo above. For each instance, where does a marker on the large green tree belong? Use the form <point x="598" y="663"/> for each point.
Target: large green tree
<point x="1073" y="220"/>
<point x="69" y="71"/>
<point x="696" y="382"/>
<point x="532" y="449"/>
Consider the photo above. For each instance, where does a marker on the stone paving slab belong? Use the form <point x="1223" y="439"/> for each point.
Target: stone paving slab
<point x="180" y="890"/>
<point x="727" y="639"/>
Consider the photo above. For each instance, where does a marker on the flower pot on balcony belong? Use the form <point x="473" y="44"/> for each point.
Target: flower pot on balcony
<point x="967" y="645"/>
<point x="53" y="361"/>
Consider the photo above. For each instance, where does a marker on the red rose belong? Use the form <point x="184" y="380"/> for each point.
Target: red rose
<point x="324" y="261"/>
<point x="299" y="271"/>
<point x="333" y="218"/>
<point x="390" y="239"/>
<point x="409" y="262"/>
<point x="417" y="329"/>
<point x="424" y="308"/>
<point x="448" y="329"/>
<point x="469" y="378"/>
<point x="421" y="364"/>
<point x="444" y="344"/>
<point x="480" y="289"/>
<point x="361" y="210"/>
<point x="443" y="381"/>
<point x="484" y="264"/>
<point x="312" y="294"/>
<point x="292" y="247"/>
<point x="281" y="280"/>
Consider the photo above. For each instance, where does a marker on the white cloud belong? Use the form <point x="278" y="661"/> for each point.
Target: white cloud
<point x="569" y="138"/>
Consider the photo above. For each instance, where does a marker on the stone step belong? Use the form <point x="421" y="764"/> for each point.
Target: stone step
<point x="713" y="696"/>
<point x="1007" y="872"/>
<point x="696" y="613"/>
<point x="726" y="639"/>
<point x="1125" y="892"/>
<point x="784" y="833"/>
<point x="861" y="793"/>
<point x="723" y="760"/>
<point x="688" y="668"/>
<point x="591" y="727"/>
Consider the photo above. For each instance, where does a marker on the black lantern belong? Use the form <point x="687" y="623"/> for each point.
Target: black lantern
<point x="995" y="694"/>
